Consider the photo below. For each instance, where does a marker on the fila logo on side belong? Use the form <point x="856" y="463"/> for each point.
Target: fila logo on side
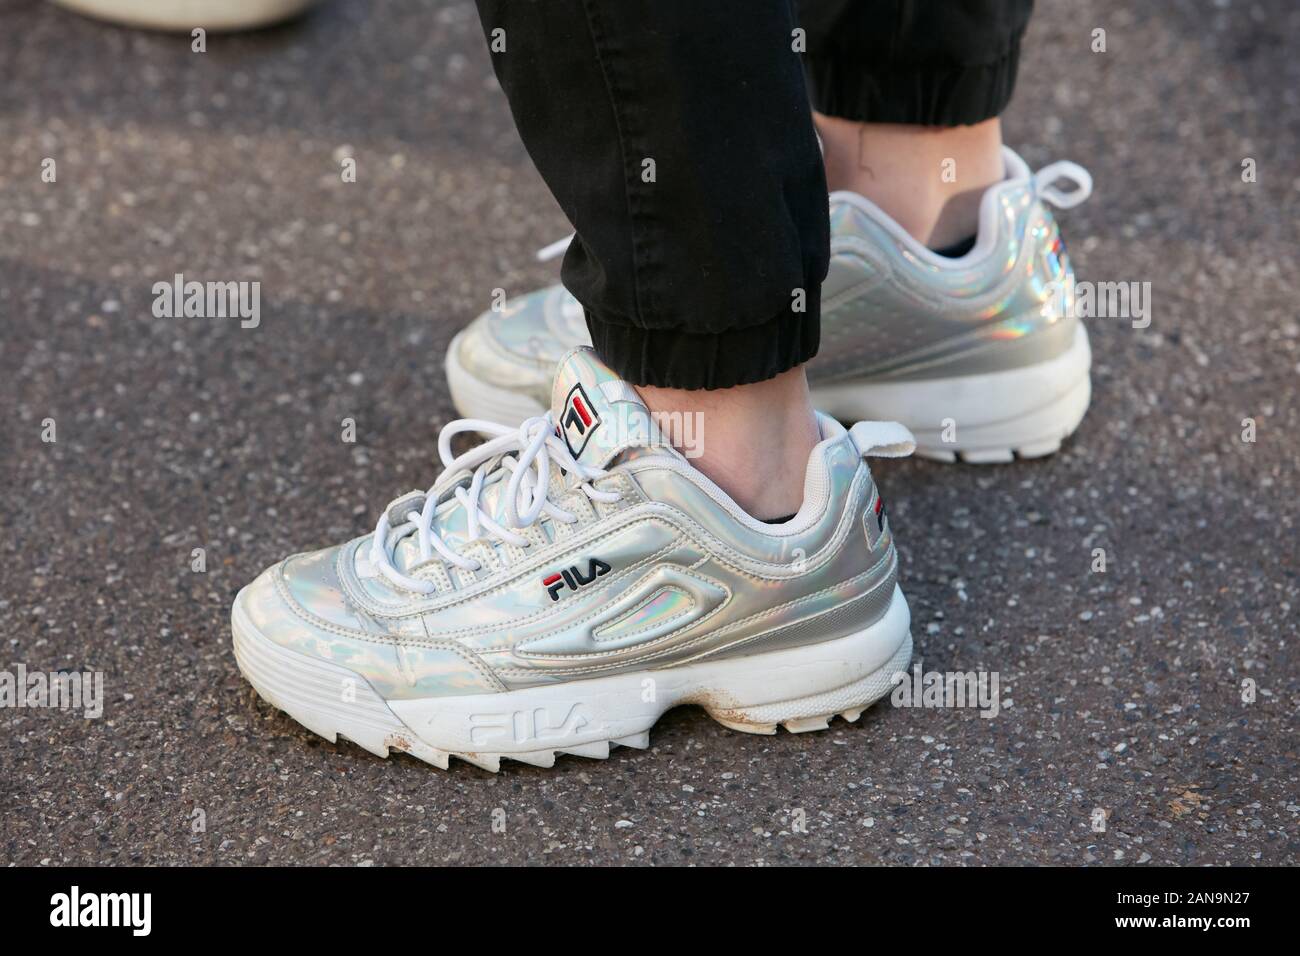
<point x="572" y="578"/>
<point x="579" y="420"/>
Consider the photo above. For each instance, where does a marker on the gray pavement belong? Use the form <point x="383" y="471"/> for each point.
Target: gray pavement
<point x="1122" y="691"/>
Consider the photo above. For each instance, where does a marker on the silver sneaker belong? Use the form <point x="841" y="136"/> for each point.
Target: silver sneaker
<point x="977" y="355"/>
<point x="570" y="579"/>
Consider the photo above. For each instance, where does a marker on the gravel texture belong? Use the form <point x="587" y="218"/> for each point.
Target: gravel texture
<point x="1121" y="692"/>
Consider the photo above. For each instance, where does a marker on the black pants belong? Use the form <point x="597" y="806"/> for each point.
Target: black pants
<point x="677" y="136"/>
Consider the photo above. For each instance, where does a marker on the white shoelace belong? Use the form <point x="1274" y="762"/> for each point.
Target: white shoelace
<point x="556" y="249"/>
<point x="536" y="444"/>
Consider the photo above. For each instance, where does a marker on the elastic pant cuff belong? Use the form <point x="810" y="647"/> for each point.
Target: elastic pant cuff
<point x="957" y="96"/>
<point x="670" y="358"/>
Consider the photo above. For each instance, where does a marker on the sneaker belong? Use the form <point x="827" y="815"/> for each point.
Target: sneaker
<point x="185" y="16"/>
<point x="977" y="355"/>
<point x="567" y="581"/>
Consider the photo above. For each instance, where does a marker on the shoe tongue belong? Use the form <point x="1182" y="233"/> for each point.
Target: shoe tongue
<point x="599" y="415"/>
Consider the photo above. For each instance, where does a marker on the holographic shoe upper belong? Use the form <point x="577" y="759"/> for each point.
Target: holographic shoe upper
<point x="892" y="312"/>
<point x="577" y="546"/>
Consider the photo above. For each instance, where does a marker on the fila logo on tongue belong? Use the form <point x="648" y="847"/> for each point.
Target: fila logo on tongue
<point x="579" y="420"/>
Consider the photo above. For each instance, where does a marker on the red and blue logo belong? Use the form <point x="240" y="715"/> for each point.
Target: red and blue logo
<point x="572" y="578"/>
<point x="579" y="420"/>
<point x="874" y="522"/>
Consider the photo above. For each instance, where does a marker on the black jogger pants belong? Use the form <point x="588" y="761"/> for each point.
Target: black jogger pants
<point x="677" y="137"/>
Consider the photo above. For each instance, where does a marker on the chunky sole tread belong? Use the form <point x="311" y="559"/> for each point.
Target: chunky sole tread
<point x="334" y="702"/>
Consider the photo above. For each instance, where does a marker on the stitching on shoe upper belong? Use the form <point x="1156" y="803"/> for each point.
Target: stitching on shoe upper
<point x="681" y="522"/>
<point x="698" y="575"/>
<point x="609" y="625"/>
<point x="466" y="654"/>
<point x="507" y="671"/>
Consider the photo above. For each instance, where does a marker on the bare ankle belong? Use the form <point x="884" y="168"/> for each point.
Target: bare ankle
<point x="929" y="179"/>
<point x="752" y="440"/>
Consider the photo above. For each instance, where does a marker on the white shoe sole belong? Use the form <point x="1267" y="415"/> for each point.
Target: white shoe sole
<point x="980" y="419"/>
<point x="188" y="14"/>
<point x="799" y="688"/>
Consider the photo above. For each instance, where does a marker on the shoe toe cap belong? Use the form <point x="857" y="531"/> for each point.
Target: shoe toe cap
<point x="527" y="337"/>
<point x="300" y="605"/>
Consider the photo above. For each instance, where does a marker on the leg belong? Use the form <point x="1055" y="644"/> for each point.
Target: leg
<point x="678" y="139"/>
<point x="907" y="333"/>
<point x="764" y="476"/>
<point x="556" y="570"/>
<point x="900" y="167"/>
<point x="907" y="99"/>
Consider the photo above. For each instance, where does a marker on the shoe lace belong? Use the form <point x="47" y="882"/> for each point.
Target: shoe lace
<point x="527" y="452"/>
<point x="556" y="249"/>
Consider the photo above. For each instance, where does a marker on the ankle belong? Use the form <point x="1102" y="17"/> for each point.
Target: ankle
<point x="929" y="179"/>
<point x="733" y="433"/>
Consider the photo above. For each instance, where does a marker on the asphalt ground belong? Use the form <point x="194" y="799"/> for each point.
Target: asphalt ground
<point x="1147" y="712"/>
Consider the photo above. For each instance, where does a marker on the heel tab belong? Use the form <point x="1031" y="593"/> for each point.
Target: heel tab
<point x="882" y="439"/>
